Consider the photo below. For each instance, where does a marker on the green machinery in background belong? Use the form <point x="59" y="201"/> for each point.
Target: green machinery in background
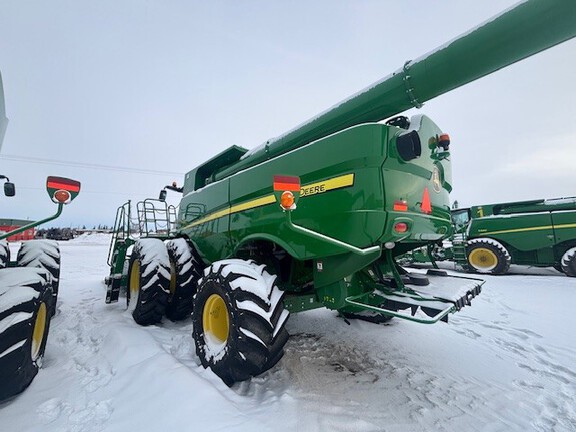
<point x="488" y="238"/>
<point x="28" y="288"/>
<point x="540" y="233"/>
<point x="316" y="217"/>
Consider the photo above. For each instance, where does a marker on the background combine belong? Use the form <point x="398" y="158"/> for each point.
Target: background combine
<point x="488" y="238"/>
<point x="318" y="216"/>
<point x="28" y="288"/>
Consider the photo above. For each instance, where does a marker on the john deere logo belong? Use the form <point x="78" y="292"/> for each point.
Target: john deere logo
<point x="436" y="180"/>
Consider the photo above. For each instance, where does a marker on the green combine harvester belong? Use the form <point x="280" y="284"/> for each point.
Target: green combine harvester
<point x="489" y="238"/>
<point x="28" y="287"/>
<point x="316" y="217"/>
<point x="539" y="233"/>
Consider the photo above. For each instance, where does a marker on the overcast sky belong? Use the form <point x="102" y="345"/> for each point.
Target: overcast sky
<point x="155" y="88"/>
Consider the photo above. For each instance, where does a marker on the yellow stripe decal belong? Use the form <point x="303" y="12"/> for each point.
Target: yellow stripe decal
<point x="327" y="185"/>
<point x="306" y="190"/>
<point x="539" y="228"/>
<point x="259" y="202"/>
<point x="269" y="199"/>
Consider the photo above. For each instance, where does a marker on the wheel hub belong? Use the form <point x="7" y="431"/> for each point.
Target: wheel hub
<point x="215" y="319"/>
<point x="483" y="259"/>
<point x="134" y="282"/>
<point x="38" y="333"/>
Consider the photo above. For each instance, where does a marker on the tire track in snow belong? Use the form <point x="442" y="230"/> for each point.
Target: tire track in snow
<point x="75" y="333"/>
<point x="550" y="382"/>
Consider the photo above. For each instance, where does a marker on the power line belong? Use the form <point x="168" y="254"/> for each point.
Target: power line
<point x="131" y="194"/>
<point x="87" y="165"/>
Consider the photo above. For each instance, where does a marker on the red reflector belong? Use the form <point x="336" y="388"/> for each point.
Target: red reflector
<point x="286" y="183"/>
<point x="426" y="205"/>
<point x="400" y="206"/>
<point x="401" y="227"/>
<point x="63" y="183"/>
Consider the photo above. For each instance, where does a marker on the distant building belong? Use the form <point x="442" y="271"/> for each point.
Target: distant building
<point x="7" y="225"/>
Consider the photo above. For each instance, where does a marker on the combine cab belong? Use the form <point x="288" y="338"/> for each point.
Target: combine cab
<point x="318" y="216"/>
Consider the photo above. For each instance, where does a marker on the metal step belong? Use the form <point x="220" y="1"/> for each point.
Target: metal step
<point x="424" y="304"/>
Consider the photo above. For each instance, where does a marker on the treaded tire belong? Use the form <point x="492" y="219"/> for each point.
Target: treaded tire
<point x="486" y="255"/>
<point x="186" y="269"/>
<point x="42" y="254"/>
<point x="238" y="320"/>
<point x="4" y="254"/>
<point x="25" y="301"/>
<point x="148" y="281"/>
<point x="568" y="262"/>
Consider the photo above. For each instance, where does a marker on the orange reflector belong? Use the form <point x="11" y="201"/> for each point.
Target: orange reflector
<point x="62" y="196"/>
<point x="426" y="205"/>
<point x="400" y="206"/>
<point x="286" y="183"/>
<point x="401" y="227"/>
<point x="287" y="200"/>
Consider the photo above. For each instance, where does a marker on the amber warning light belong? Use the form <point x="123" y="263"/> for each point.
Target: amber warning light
<point x="62" y="190"/>
<point x="288" y="187"/>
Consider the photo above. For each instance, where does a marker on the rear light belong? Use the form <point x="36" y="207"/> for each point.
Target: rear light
<point x="444" y="141"/>
<point x="400" y="227"/>
<point x="400" y="206"/>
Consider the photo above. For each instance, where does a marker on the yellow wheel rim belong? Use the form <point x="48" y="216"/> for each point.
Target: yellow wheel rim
<point x="39" y="329"/>
<point x="172" y="279"/>
<point x="483" y="259"/>
<point x="215" y="319"/>
<point x="134" y="281"/>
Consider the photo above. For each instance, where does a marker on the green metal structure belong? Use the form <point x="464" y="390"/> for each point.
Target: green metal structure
<point x="325" y="209"/>
<point x="489" y="238"/>
<point x="540" y="233"/>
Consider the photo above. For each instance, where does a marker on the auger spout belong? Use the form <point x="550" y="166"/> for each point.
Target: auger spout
<point x="517" y="33"/>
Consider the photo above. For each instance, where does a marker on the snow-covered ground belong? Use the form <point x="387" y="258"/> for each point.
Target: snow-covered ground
<point x="508" y="363"/>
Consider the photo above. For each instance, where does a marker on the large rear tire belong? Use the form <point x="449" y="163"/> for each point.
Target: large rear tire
<point x="43" y="254"/>
<point x="25" y="302"/>
<point x="186" y="269"/>
<point x="148" y="281"/>
<point x="568" y="262"/>
<point x="487" y="256"/>
<point x="238" y="320"/>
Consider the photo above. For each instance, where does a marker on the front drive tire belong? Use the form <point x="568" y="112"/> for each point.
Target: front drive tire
<point x="25" y="302"/>
<point x="186" y="269"/>
<point x="148" y="281"/>
<point x="238" y="320"/>
<point x="486" y="255"/>
<point x="43" y="254"/>
<point x="568" y="262"/>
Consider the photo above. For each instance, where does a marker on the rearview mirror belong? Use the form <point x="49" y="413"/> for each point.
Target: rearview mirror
<point x="9" y="189"/>
<point x="162" y="196"/>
